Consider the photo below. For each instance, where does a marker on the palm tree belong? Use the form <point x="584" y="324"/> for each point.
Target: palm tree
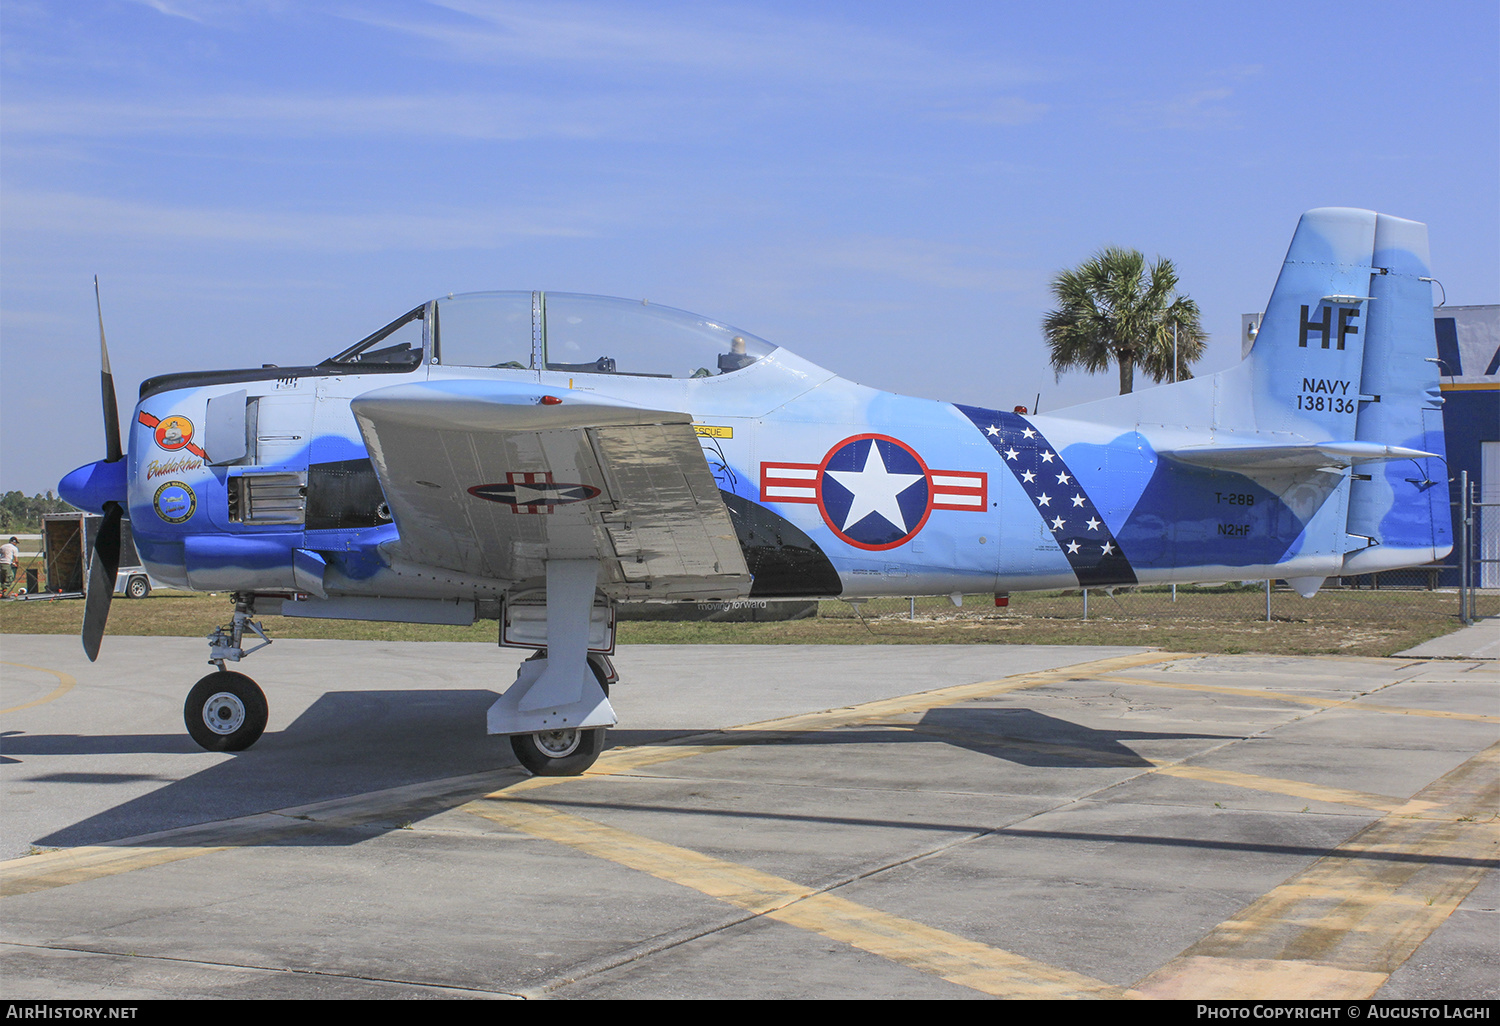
<point x="1112" y="307"/>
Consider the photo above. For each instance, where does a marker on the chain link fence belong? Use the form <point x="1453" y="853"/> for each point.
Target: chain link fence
<point x="1395" y="596"/>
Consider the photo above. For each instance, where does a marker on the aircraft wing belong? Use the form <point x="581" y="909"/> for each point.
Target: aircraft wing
<point x="490" y="479"/>
<point x="1298" y="456"/>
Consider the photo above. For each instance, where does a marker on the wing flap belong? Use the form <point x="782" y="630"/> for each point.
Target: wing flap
<point x="485" y="480"/>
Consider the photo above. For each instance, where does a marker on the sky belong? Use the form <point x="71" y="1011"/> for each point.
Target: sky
<point x="886" y="189"/>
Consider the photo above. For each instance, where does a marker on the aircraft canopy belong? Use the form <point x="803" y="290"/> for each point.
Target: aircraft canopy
<point x="559" y="331"/>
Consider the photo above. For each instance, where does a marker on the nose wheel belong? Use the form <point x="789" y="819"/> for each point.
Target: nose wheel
<point x="226" y="712"/>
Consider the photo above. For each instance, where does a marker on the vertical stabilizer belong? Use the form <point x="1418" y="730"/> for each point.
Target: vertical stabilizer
<point x="1345" y="352"/>
<point x="1307" y="358"/>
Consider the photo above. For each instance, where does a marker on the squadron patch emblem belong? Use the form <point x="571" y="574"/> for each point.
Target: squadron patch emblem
<point x="174" y="502"/>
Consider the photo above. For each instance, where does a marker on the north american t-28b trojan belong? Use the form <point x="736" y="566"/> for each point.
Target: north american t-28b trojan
<point x="536" y="458"/>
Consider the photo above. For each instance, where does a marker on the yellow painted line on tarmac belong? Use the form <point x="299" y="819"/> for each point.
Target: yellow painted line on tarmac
<point x="76" y="865"/>
<point x="65" y="684"/>
<point x="1342" y="926"/>
<point x="1174" y="768"/>
<point x="890" y="707"/>
<point x="956" y="959"/>
<point x="627" y="760"/>
<point x="65" y="866"/>
<point x="1319" y="703"/>
<point x="1290" y="788"/>
<point x="69" y="866"/>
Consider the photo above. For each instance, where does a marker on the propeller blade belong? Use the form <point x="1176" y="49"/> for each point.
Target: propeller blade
<point x="113" y="451"/>
<point x="103" y="567"/>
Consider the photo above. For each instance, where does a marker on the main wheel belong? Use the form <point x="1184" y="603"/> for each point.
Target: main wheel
<point x="226" y="712"/>
<point x="561" y="753"/>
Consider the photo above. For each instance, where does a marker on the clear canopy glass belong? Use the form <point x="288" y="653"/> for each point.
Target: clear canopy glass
<point x="561" y="331"/>
<point x="600" y="335"/>
<point x="399" y="342"/>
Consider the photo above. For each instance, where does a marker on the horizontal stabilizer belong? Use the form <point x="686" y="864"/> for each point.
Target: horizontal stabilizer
<point x="1300" y="456"/>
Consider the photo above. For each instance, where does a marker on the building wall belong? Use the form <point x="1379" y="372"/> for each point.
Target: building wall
<point x="1468" y="339"/>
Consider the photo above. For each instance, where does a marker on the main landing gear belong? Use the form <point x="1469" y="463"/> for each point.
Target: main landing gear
<point x="227" y="711"/>
<point x="555" y="713"/>
<point x="567" y="752"/>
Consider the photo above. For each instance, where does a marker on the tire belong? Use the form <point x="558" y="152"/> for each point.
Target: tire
<point x="138" y="587"/>
<point x="561" y="753"/>
<point x="226" y="712"/>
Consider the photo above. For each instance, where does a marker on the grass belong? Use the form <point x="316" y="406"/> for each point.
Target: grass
<point x="1227" y="620"/>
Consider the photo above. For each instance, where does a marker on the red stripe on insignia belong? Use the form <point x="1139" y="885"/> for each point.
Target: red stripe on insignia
<point x="789" y="482"/>
<point x="960" y="490"/>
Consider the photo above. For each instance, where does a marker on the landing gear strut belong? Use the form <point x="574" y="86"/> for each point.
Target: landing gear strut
<point x="226" y="711"/>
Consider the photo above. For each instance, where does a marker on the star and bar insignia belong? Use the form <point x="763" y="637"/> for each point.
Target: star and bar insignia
<point x="874" y="491"/>
<point x="533" y="492"/>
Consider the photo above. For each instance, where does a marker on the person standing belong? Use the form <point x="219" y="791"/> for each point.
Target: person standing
<point x="10" y="561"/>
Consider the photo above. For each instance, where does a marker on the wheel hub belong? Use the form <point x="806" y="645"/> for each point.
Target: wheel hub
<point x="224" y="713"/>
<point x="558" y="744"/>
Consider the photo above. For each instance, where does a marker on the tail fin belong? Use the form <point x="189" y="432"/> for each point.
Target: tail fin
<point x="1346" y="352"/>
<point x="1307" y="358"/>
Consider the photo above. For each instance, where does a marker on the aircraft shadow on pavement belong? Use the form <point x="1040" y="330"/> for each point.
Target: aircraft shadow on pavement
<point x="346" y="743"/>
<point x="355" y="742"/>
<point x="1031" y="738"/>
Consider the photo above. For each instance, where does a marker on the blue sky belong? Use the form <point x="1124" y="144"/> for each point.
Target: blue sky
<point x="883" y="188"/>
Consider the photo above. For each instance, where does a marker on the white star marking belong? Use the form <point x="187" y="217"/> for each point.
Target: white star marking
<point x="1072" y="547"/>
<point x="1108" y="548"/>
<point x="1027" y="476"/>
<point x="875" y="490"/>
<point x="1057" y="524"/>
<point x="1093" y="524"/>
<point x="526" y="493"/>
<point x="1078" y="500"/>
<point x="992" y="430"/>
<point x="1011" y="454"/>
<point x="1043" y="499"/>
<point x="1063" y="478"/>
<point x="1047" y="457"/>
<point x="1028" y="433"/>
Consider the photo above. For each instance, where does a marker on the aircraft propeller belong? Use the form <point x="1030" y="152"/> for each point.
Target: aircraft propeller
<point x="105" y="563"/>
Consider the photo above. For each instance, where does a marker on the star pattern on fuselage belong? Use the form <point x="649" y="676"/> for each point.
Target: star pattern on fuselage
<point x="1083" y="537"/>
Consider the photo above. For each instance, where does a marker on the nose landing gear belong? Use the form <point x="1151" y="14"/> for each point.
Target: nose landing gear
<point x="227" y="711"/>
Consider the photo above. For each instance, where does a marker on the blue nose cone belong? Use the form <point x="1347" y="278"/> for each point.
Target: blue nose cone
<point x="93" y="484"/>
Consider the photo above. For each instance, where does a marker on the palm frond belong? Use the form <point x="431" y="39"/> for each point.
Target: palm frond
<point x="1115" y="309"/>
